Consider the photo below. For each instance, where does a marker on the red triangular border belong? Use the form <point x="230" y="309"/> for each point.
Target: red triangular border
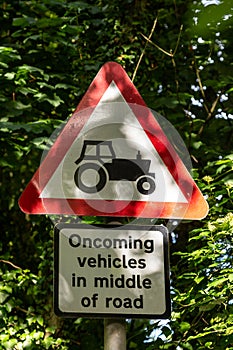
<point x="31" y="203"/>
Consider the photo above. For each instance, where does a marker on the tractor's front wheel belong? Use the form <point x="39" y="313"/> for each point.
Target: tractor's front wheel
<point x="90" y="177"/>
<point x="146" y="185"/>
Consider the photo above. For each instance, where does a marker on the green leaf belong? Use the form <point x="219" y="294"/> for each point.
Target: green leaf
<point x="218" y="282"/>
<point x="23" y="21"/>
<point x="210" y="304"/>
<point x="55" y="101"/>
<point x="184" y="326"/>
<point x="9" y="76"/>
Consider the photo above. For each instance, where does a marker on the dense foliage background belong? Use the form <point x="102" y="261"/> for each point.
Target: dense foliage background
<point x="179" y="55"/>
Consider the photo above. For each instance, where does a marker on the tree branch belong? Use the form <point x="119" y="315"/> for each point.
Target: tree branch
<point x="144" y="50"/>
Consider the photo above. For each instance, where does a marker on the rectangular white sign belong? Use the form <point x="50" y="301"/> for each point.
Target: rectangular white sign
<point x="106" y="271"/>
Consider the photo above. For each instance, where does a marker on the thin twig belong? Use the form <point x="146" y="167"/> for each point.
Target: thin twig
<point x="158" y="47"/>
<point x="144" y="50"/>
<point x="201" y="88"/>
<point x="171" y="54"/>
<point x="178" y="40"/>
<point x="210" y="113"/>
<point x="10" y="263"/>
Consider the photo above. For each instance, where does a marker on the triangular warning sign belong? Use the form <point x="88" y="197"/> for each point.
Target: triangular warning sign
<point x="113" y="159"/>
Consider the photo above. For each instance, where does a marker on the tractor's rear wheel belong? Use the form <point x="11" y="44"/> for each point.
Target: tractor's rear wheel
<point x="146" y="185"/>
<point x="90" y="178"/>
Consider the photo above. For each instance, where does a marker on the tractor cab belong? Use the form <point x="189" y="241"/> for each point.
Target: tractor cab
<point x="97" y="150"/>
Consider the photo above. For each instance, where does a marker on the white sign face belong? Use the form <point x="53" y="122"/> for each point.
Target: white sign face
<point x="106" y="271"/>
<point x="129" y="145"/>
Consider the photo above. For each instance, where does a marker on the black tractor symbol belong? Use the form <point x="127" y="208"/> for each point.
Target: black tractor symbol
<point x="100" y="158"/>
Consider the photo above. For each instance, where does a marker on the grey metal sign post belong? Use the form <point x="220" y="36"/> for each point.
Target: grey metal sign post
<point x="114" y="334"/>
